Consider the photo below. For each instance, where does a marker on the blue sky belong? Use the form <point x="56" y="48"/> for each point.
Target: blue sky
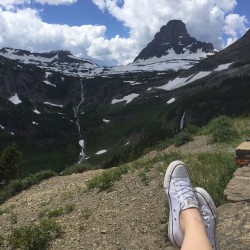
<point x="115" y="31"/>
<point x="82" y="12"/>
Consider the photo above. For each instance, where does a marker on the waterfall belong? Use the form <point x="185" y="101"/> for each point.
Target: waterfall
<point x="182" y="123"/>
<point x="76" y="113"/>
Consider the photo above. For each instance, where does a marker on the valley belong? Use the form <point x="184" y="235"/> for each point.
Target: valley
<point x="121" y="110"/>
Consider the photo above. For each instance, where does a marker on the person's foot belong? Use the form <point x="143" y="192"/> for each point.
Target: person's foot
<point x="208" y="213"/>
<point x="180" y="196"/>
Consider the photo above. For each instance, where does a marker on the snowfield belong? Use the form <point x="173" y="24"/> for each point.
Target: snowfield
<point x="128" y="99"/>
<point x="52" y="104"/>
<point x="15" y="99"/>
<point x="181" y="81"/>
<point x="101" y="152"/>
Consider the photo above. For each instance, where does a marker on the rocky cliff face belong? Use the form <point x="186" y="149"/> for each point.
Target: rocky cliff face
<point x="174" y="37"/>
<point x="237" y="53"/>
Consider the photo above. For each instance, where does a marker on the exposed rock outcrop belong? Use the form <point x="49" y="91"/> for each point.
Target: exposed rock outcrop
<point x="173" y="37"/>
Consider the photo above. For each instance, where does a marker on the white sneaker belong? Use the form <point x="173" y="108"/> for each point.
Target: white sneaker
<point x="208" y="213"/>
<point x="180" y="196"/>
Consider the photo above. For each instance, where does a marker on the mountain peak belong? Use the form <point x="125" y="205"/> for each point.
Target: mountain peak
<point x="172" y="31"/>
<point x="174" y="42"/>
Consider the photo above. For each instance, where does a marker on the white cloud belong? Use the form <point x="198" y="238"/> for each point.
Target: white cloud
<point x="117" y="48"/>
<point x="207" y="20"/>
<point x="24" y="29"/>
<point x="234" y="24"/>
<point x="56" y="2"/>
<point x="11" y="3"/>
<point x="230" y="41"/>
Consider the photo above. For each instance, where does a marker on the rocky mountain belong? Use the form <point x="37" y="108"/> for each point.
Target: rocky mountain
<point x="56" y="107"/>
<point x="175" y="47"/>
<point x="171" y="49"/>
<point x="238" y="53"/>
<point x="57" y="61"/>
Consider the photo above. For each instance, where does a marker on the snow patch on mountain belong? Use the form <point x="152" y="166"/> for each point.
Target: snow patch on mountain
<point x="132" y="83"/>
<point x="101" y="152"/>
<point x="182" y="81"/>
<point x="222" y="67"/>
<point x="15" y="99"/>
<point x="13" y="54"/>
<point x="67" y="64"/>
<point x="49" y="83"/>
<point x="171" y="61"/>
<point x="128" y="98"/>
<point x="47" y="74"/>
<point x="171" y="100"/>
<point x="52" y="104"/>
<point x="106" y="121"/>
<point x="36" y="112"/>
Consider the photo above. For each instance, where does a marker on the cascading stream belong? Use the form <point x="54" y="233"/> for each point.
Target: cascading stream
<point x="76" y="113"/>
<point x="182" y="122"/>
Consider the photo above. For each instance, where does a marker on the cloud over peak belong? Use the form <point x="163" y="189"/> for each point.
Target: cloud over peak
<point x="207" y="20"/>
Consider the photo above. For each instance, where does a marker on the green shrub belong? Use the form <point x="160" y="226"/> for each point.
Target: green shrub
<point x="221" y="129"/>
<point x="107" y="179"/>
<point x="144" y="177"/>
<point x="4" y="210"/>
<point x="192" y="129"/>
<point x="37" y="177"/>
<point x="55" y="213"/>
<point x="16" y="186"/>
<point x="69" y="208"/>
<point x="34" y="237"/>
<point x="13" y="218"/>
<point x="182" y="138"/>
<point x="77" y="168"/>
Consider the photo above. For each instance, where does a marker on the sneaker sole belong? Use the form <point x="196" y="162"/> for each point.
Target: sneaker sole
<point x="167" y="179"/>
<point x="211" y="205"/>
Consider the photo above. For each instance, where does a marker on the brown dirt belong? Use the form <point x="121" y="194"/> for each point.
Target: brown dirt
<point x="130" y="217"/>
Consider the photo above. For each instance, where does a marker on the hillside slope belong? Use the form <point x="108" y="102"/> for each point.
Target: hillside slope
<point x="131" y="216"/>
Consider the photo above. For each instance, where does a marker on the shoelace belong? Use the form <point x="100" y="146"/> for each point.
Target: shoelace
<point x="182" y="189"/>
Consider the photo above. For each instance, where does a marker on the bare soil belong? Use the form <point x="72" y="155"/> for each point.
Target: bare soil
<point x="131" y="217"/>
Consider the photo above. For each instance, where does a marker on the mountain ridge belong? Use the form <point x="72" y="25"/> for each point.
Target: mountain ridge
<point x="171" y="49"/>
<point x="174" y="36"/>
<point x="116" y="112"/>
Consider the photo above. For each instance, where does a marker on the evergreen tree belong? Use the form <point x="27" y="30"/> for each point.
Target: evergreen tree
<point x="10" y="164"/>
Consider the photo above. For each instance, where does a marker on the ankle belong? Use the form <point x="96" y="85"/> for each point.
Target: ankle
<point x="188" y="217"/>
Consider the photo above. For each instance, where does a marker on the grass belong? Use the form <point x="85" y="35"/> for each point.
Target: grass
<point x="16" y="186"/>
<point x="77" y="168"/>
<point x="34" y="237"/>
<point x="211" y="171"/>
<point x="242" y="126"/>
<point x="107" y="179"/>
<point x="57" y="212"/>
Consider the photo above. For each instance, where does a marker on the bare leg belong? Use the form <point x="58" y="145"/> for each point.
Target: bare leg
<point x="195" y="236"/>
